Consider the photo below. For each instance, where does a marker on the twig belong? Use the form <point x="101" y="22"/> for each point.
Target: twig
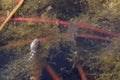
<point x="11" y="14"/>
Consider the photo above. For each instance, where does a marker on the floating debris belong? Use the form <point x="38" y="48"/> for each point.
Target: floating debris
<point x="34" y="47"/>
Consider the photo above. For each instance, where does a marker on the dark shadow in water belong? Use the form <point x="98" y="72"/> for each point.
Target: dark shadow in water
<point x="62" y="66"/>
<point x="92" y="45"/>
<point x="64" y="9"/>
<point x="5" y="58"/>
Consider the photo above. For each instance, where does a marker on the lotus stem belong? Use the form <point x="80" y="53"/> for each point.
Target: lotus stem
<point x="90" y="36"/>
<point x="67" y="23"/>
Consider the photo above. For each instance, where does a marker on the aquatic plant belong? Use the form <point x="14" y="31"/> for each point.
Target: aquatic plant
<point x="75" y="43"/>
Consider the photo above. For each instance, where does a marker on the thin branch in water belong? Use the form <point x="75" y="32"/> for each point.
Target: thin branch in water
<point x="11" y="14"/>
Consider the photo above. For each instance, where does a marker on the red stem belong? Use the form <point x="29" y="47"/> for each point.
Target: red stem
<point x="98" y="30"/>
<point x="93" y="37"/>
<point x="66" y="23"/>
<point x="17" y="1"/>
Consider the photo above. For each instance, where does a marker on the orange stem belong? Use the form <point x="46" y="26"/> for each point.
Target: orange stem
<point x="20" y="43"/>
<point x="81" y="71"/>
<point x="52" y="73"/>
